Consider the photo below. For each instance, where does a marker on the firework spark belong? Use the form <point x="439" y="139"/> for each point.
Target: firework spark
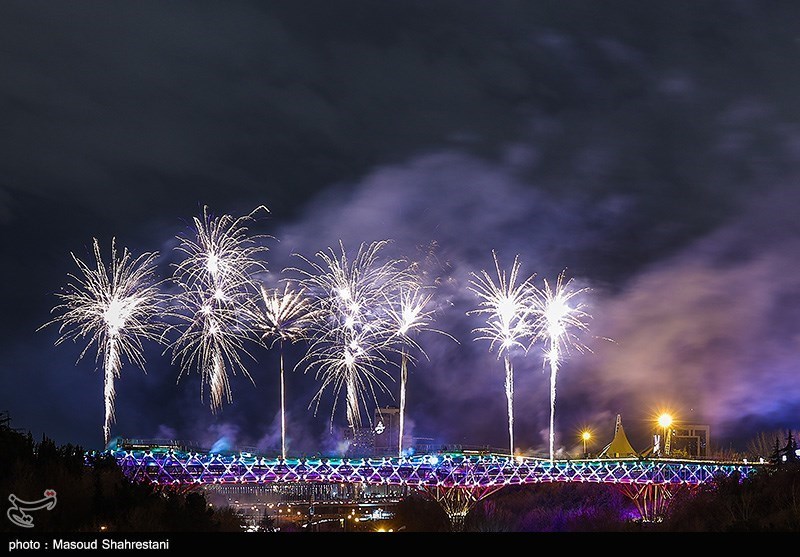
<point x="350" y="334"/>
<point x="217" y="278"/>
<point x="557" y="325"/>
<point x="353" y="363"/>
<point x="410" y="311"/>
<point x="115" y="307"/>
<point x="506" y="305"/>
<point x="283" y="318"/>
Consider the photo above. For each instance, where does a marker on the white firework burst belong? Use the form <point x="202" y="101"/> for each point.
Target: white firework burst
<point x="218" y="281"/>
<point x="505" y="304"/>
<point x="115" y="307"/>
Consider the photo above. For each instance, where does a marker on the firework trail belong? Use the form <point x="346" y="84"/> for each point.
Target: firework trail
<point x="217" y="278"/>
<point x="351" y="332"/>
<point x="506" y="305"/>
<point x="410" y="312"/>
<point x="283" y="318"/>
<point x="115" y="307"/>
<point x="557" y="325"/>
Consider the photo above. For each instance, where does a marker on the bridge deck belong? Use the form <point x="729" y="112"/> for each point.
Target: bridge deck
<point x="171" y="466"/>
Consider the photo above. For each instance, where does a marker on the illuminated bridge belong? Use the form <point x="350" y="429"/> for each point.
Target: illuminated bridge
<point x="457" y="480"/>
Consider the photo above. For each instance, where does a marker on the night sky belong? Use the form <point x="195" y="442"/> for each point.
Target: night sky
<point x="650" y="149"/>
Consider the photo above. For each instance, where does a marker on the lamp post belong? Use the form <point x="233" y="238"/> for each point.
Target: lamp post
<point x="586" y="435"/>
<point x="665" y="421"/>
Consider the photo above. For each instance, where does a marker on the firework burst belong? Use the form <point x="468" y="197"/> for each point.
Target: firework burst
<point x="352" y="363"/>
<point x="505" y="303"/>
<point x="351" y="331"/>
<point x="115" y="307"/>
<point x="283" y="318"/>
<point x="217" y="277"/>
<point x="559" y="319"/>
<point x="411" y="313"/>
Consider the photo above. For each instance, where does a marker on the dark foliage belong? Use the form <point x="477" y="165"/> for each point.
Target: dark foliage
<point x="555" y="507"/>
<point x="417" y="513"/>
<point x="93" y="495"/>
<point x="768" y="501"/>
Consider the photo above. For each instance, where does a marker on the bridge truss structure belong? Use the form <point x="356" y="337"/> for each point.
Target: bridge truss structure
<point x="456" y="480"/>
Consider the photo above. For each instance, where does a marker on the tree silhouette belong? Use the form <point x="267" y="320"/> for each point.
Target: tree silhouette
<point x="94" y="495"/>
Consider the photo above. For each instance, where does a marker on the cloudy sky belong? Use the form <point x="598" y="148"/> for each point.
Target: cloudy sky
<point x="651" y="151"/>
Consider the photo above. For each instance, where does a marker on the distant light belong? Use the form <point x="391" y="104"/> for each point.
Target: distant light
<point x="665" y="420"/>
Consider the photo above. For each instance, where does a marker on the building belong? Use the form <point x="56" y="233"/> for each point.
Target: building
<point x="380" y="439"/>
<point x="387" y="431"/>
<point x="361" y="442"/>
<point x="689" y="440"/>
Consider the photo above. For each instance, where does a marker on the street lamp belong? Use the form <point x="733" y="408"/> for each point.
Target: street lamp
<point x="585" y="435"/>
<point x="665" y="421"/>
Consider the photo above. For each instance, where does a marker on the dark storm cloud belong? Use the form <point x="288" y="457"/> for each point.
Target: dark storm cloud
<point x="119" y="106"/>
<point x="646" y="149"/>
<point x="122" y="106"/>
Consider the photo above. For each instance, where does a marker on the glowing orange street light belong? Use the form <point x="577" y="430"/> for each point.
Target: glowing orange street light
<point x="585" y="435"/>
<point x="665" y="421"/>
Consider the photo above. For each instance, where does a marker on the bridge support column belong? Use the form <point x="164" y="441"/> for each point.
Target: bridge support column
<point x="652" y="500"/>
<point x="457" y="501"/>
